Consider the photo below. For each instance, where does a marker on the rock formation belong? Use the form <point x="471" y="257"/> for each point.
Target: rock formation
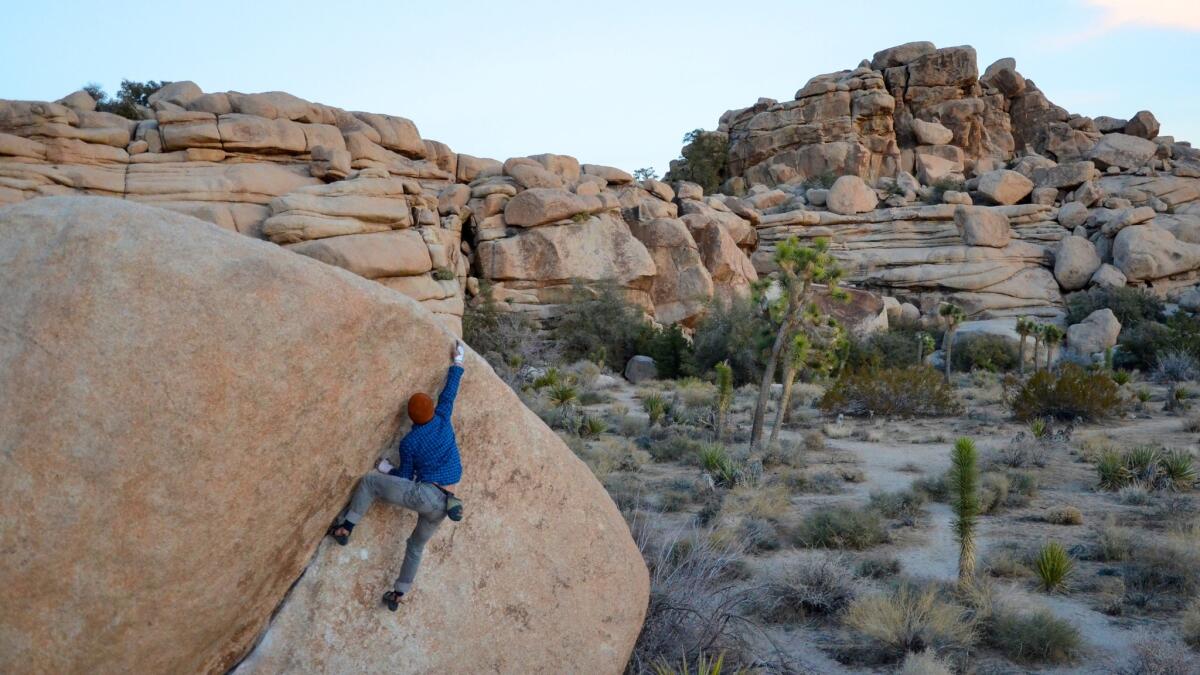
<point x="184" y="410"/>
<point x="875" y="158"/>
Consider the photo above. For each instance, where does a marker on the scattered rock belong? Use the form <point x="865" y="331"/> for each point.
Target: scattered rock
<point x="1122" y="151"/>
<point x="1109" y="277"/>
<point x="1075" y="262"/>
<point x="850" y="195"/>
<point x="931" y="133"/>
<point x="1004" y="187"/>
<point x="1143" y="125"/>
<point x="1096" y="333"/>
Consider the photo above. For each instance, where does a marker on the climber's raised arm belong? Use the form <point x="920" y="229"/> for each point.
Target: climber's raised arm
<point x="445" y="405"/>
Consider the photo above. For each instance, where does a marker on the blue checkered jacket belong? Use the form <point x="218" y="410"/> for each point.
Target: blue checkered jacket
<point x="429" y="452"/>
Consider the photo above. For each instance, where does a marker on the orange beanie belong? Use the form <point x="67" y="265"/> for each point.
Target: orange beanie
<point x="420" y="408"/>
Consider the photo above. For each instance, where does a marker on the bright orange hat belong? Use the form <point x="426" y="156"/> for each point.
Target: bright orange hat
<point x="420" y="408"/>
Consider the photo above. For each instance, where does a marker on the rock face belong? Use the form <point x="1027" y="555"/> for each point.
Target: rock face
<point x="147" y="407"/>
<point x="982" y="227"/>
<point x="1096" y="333"/>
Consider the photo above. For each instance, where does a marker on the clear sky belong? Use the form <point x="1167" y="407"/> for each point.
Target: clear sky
<point x="611" y="82"/>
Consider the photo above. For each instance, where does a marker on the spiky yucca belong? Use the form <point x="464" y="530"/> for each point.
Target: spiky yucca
<point x="964" y="484"/>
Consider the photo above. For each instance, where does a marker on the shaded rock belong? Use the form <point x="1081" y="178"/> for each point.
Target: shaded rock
<point x="640" y="369"/>
<point x="1143" y="125"/>
<point x="1109" y="125"/>
<point x="1064" y="175"/>
<point x="1072" y="214"/>
<point x="982" y="226"/>
<point x="1096" y="333"/>
<point x="1075" y="262"/>
<point x="214" y="550"/>
<point x="682" y="285"/>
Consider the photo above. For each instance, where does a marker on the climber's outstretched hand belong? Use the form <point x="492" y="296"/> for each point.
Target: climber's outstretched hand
<point x="458" y="353"/>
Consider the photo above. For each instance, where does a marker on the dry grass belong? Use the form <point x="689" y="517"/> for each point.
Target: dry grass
<point x="767" y="502"/>
<point x="911" y="619"/>
<point x="821" y="585"/>
<point x="1064" y="515"/>
<point x="925" y="663"/>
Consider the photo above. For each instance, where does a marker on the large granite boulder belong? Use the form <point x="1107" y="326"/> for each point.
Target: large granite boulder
<point x="1147" y="252"/>
<point x="1075" y="262"/>
<point x="1096" y="333"/>
<point x="682" y="285"/>
<point x="850" y="194"/>
<point x="1004" y="187"/>
<point x="183" y="411"/>
<point x="1122" y="151"/>
<point x="982" y="226"/>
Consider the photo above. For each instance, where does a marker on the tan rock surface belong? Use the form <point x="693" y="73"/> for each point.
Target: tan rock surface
<point x="146" y="409"/>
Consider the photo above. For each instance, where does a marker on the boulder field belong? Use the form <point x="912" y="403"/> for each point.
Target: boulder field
<point x="183" y="411"/>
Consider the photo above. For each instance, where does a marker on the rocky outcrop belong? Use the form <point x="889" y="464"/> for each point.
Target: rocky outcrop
<point x="178" y="438"/>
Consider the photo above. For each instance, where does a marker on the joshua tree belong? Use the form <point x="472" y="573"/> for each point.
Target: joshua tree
<point x="1025" y="328"/>
<point x="793" y="359"/>
<point x="724" y="395"/>
<point x="925" y="345"/>
<point x="964" y="485"/>
<point x="952" y="315"/>
<point x="1053" y="336"/>
<point x="799" y="268"/>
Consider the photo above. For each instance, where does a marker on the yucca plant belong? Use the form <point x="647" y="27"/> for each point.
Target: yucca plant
<point x="563" y="398"/>
<point x="704" y="666"/>
<point x="1038" y="427"/>
<point x="547" y="379"/>
<point x="1121" y="377"/>
<point x="592" y="426"/>
<point x="1142" y="462"/>
<point x="716" y="461"/>
<point x="964" y="490"/>
<point x="952" y="315"/>
<point x="1178" y="470"/>
<point x="1143" y="395"/>
<point x="724" y="395"/>
<point x="656" y="407"/>
<point x="1113" y="472"/>
<point x="1053" y="566"/>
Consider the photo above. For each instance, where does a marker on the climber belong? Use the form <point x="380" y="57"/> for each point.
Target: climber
<point x="429" y="467"/>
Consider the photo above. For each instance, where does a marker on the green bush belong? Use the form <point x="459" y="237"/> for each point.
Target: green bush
<point x="1072" y="392"/>
<point x="842" y="527"/>
<point x="1040" y="637"/>
<point x="671" y="351"/>
<point x="915" y="391"/>
<point x="703" y="159"/>
<point x="600" y="325"/>
<point x="131" y="95"/>
<point x="1144" y="345"/>
<point x="1132" y="306"/>
<point x="904" y="505"/>
<point x="985" y="352"/>
<point x="823" y="180"/>
<point x="894" y="348"/>
<point x="735" y="332"/>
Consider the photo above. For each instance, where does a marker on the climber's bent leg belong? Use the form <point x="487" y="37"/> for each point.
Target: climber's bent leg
<point x="391" y="489"/>
<point x="429" y="517"/>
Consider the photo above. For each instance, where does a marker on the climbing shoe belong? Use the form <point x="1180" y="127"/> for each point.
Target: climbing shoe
<point x="454" y="508"/>
<point x="341" y="539"/>
<point x="392" y="600"/>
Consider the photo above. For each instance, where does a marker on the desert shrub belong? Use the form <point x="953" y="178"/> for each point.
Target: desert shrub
<point x="878" y="567"/>
<point x="1155" y="655"/>
<point x="841" y="527"/>
<point x="1007" y="564"/>
<point x="823" y="180"/>
<point x="1111" y="470"/>
<point x="1064" y="515"/>
<point x="937" y="488"/>
<point x="916" y="391"/>
<point x="758" y="535"/>
<point x="600" y="325"/>
<point x="1132" y="306"/>
<point x="1143" y="344"/>
<point x="508" y="340"/>
<point x="691" y="605"/>
<point x="1039" y="637"/>
<point x="819" y="585"/>
<point x="717" y="462"/>
<point x="1135" y="494"/>
<point x="943" y="185"/>
<point x="924" y="663"/>
<point x="1145" y="467"/>
<point x="676" y="447"/>
<point x="985" y="352"/>
<point x="814" y="441"/>
<point x="783" y="453"/>
<point x="767" y="503"/>
<point x="993" y="492"/>
<point x="131" y="95"/>
<point x="704" y="664"/>
<point x="1176" y="366"/>
<point x="1167" y="566"/>
<point x="590" y="426"/>
<point x="1053" y="566"/>
<point x="825" y="482"/>
<point x="904" y="505"/>
<point x="671" y="351"/>
<point x="702" y="160"/>
<point x="1072" y="392"/>
<point x="1189" y="624"/>
<point x="1177" y="469"/>
<point x="1122" y="377"/>
<point x="735" y="331"/>
<point x="911" y="619"/>
<point x="893" y="348"/>
<point x="1113" y="543"/>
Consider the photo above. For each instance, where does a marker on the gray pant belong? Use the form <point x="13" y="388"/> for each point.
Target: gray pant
<point x="424" y="498"/>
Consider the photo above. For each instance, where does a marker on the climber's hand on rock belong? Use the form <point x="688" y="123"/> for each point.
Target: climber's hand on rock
<point x="459" y="353"/>
<point x="385" y="466"/>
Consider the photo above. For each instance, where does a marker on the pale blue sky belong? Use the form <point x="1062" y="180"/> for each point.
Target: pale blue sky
<point x="612" y="82"/>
